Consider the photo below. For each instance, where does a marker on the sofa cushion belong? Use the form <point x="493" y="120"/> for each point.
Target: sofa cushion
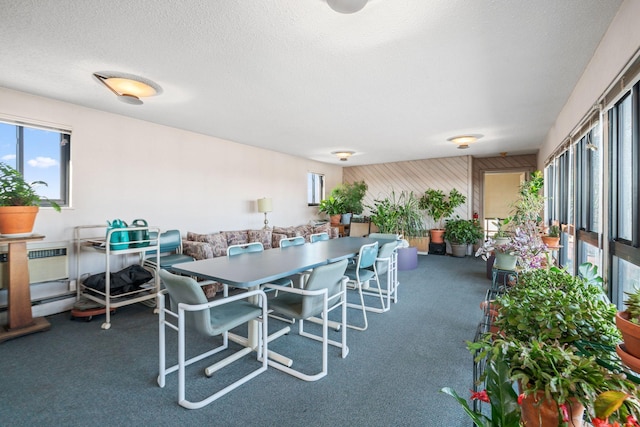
<point x="218" y="242"/>
<point x="197" y="250"/>
<point x="275" y="239"/>
<point x="287" y="231"/>
<point x="262" y="236"/>
<point x="239" y="237"/>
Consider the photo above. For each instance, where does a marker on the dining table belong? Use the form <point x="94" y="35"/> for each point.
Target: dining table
<point x="251" y="270"/>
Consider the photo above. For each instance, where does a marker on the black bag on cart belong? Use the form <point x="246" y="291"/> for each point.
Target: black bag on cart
<point x="126" y="280"/>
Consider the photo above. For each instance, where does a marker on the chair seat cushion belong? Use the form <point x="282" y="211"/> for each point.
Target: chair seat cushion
<point x="288" y="304"/>
<point x="365" y="274"/>
<point x="228" y="316"/>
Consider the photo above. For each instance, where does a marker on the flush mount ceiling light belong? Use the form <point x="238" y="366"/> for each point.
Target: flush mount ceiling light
<point x="463" y="141"/>
<point x="128" y="90"/>
<point x="343" y="155"/>
<point x="347" y="6"/>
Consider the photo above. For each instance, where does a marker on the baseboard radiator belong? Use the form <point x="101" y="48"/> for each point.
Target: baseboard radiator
<point x="45" y="264"/>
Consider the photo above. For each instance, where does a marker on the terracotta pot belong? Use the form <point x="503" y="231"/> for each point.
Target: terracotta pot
<point x="630" y="361"/>
<point x="17" y="220"/>
<point x="551" y="242"/>
<point x="540" y="412"/>
<point x="630" y="333"/>
<point x="335" y="219"/>
<point x="437" y="235"/>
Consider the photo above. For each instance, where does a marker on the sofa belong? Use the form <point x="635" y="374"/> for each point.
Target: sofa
<point x="212" y="245"/>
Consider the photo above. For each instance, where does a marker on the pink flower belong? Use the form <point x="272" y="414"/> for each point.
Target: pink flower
<point x="597" y="422"/>
<point x="565" y="413"/>
<point x="520" y="398"/>
<point x="631" y="422"/>
<point x="480" y="395"/>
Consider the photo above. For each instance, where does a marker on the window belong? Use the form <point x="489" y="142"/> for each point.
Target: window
<point x="40" y="154"/>
<point x="315" y="188"/>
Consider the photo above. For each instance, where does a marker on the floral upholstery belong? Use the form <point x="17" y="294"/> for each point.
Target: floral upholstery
<point x="262" y="236"/>
<point x="236" y="237"/>
<point x="218" y="242"/>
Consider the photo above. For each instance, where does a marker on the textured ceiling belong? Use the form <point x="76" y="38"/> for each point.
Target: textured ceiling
<point x="391" y="82"/>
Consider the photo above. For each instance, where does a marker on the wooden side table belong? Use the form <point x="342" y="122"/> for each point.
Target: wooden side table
<point x="21" y="320"/>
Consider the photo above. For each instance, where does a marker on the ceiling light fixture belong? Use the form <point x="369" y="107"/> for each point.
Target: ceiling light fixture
<point x="463" y="141"/>
<point x="127" y="89"/>
<point x="347" y="6"/>
<point x="343" y="155"/>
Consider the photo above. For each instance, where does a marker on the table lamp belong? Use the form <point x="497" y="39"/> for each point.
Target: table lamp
<point x="265" y="205"/>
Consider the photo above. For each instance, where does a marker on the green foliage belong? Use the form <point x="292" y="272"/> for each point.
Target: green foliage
<point x="399" y="215"/>
<point x="331" y="206"/>
<point x="15" y="191"/>
<point x="439" y="206"/>
<point x="462" y="231"/>
<point x="554" y="231"/>
<point x="550" y="304"/>
<point x="633" y="305"/>
<point x="351" y="195"/>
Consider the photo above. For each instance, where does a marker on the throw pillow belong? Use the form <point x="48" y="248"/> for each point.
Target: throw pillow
<point x="236" y="237"/>
<point x="262" y="236"/>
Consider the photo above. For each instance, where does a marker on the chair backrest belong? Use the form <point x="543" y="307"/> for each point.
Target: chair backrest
<point x="385" y="236"/>
<point x="245" y="248"/>
<point x="326" y="276"/>
<point x="385" y="252"/>
<point x="184" y="289"/>
<point x="291" y="241"/>
<point x="318" y="237"/>
<point x="367" y="255"/>
<point x="170" y="241"/>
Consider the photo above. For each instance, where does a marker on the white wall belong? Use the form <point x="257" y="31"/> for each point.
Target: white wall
<point x="616" y="48"/>
<point x="127" y="168"/>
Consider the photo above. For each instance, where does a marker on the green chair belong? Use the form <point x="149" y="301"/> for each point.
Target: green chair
<point x="191" y="312"/>
<point x="360" y="275"/>
<point x="170" y="249"/>
<point x="318" y="237"/>
<point x="324" y="291"/>
<point x="291" y="241"/>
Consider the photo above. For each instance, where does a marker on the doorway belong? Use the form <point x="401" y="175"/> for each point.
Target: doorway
<point x="500" y="191"/>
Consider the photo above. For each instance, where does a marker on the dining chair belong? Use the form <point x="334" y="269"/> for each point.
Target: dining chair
<point x="386" y="264"/>
<point x="360" y="276"/>
<point x="324" y="291"/>
<point x="318" y="237"/>
<point x="170" y="250"/>
<point x="291" y="241"/>
<point x="191" y="312"/>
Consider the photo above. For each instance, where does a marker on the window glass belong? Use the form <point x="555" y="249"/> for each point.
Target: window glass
<point x="315" y="188"/>
<point x="627" y="278"/>
<point x="40" y="155"/>
<point x="594" y="147"/>
<point x="591" y="254"/>
<point x="625" y="172"/>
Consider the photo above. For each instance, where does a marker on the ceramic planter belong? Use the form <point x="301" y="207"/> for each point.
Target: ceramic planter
<point x="459" y="251"/>
<point x="540" y="412"/>
<point x="17" y="220"/>
<point x="630" y="333"/>
<point x="505" y="261"/>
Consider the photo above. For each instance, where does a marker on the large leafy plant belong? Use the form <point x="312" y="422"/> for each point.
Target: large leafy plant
<point x="351" y="194"/>
<point x="15" y="191"/>
<point x="440" y="206"/>
<point x="462" y="231"/>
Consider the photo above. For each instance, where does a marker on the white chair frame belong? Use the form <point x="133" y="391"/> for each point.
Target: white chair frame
<point x="163" y="319"/>
<point x="341" y="302"/>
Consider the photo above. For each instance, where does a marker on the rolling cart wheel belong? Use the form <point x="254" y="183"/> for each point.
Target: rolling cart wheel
<point x="106" y="325"/>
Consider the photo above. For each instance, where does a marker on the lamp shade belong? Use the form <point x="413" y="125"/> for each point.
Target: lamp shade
<point x="265" y="204"/>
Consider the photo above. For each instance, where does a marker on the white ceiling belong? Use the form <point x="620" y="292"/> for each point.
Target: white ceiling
<point x="391" y="82"/>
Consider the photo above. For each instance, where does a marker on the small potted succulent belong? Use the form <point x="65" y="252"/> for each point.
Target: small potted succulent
<point x="19" y="202"/>
<point x="628" y="322"/>
<point x="552" y="238"/>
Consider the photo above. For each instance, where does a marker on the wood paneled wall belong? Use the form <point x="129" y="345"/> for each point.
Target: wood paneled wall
<point x="463" y="173"/>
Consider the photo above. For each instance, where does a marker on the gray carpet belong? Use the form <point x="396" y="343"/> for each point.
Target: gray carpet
<point x="77" y="374"/>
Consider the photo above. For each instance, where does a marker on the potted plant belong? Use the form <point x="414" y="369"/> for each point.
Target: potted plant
<point x="540" y="322"/>
<point x="19" y="202"/>
<point x="384" y="214"/>
<point x="352" y="194"/>
<point x="461" y="233"/>
<point x="628" y="322"/>
<point x="334" y="207"/>
<point x="552" y="238"/>
<point x="440" y="206"/>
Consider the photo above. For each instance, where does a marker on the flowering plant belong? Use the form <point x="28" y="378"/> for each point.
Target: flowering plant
<point x="527" y="247"/>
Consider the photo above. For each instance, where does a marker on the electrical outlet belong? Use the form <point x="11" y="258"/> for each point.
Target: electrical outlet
<point x="72" y="285"/>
